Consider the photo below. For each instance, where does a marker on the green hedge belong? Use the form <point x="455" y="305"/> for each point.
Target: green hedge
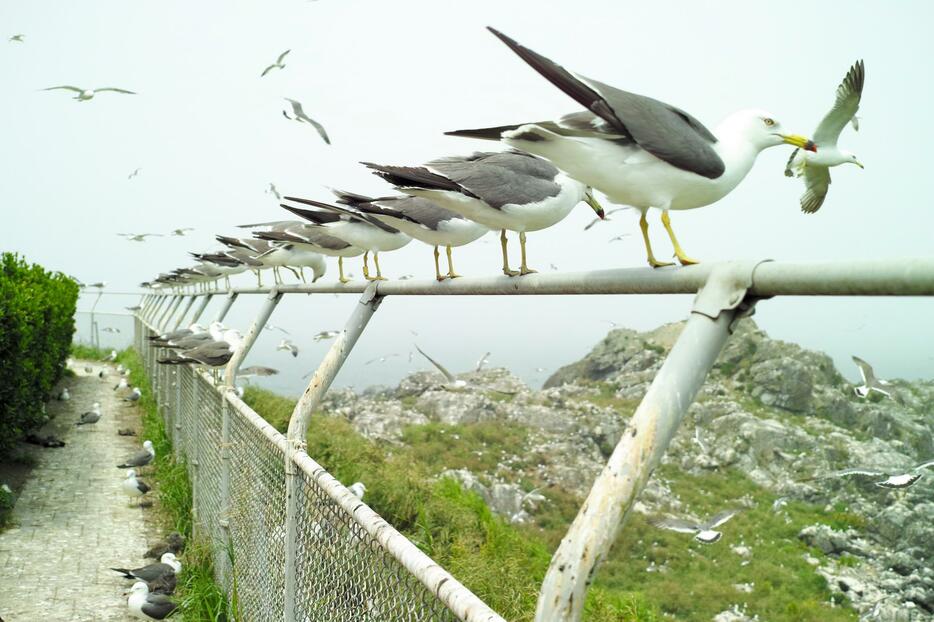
<point x="37" y="311"/>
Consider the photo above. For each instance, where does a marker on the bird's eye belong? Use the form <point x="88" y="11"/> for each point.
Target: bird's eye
<point x="768" y="122"/>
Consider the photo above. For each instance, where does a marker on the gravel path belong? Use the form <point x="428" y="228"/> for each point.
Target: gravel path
<point x="71" y="521"/>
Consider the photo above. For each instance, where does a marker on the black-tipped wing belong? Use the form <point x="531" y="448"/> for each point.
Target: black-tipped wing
<point x="501" y="178"/>
<point x="816" y="185"/>
<point x="845" y="106"/>
<point x="865" y="370"/>
<point x="414" y="177"/>
<point x="447" y="375"/>
<point x="859" y="471"/>
<point x="676" y="524"/>
<point x="665" y="131"/>
<point x="718" y="519"/>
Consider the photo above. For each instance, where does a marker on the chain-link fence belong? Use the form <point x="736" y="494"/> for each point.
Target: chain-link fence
<point x="346" y="564"/>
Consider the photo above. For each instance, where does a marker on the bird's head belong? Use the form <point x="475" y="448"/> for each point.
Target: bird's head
<point x="148" y="444"/>
<point x="138" y="588"/>
<point x="762" y="129"/>
<point x="850" y="158"/>
<point x="130" y="474"/>
<point x="592" y="202"/>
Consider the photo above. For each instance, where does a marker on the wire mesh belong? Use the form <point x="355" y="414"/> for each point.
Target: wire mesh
<point x="239" y="495"/>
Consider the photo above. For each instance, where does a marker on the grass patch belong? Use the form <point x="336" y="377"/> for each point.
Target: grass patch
<point x="88" y="352"/>
<point x="200" y="598"/>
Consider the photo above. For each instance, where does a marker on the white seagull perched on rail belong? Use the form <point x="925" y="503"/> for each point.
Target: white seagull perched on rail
<point x="84" y="95"/>
<point x="507" y="191"/>
<point x="704" y="532"/>
<point x="815" y="167"/>
<point x="313" y="239"/>
<point x="870" y="382"/>
<point x="639" y="151"/>
<point x="301" y="117"/>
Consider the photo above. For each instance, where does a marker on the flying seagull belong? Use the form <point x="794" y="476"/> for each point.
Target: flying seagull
<point x="91" y="416"/>
<point x="619" y="238"/>
<point x="141" y="458"/>
<point x="276" y="65"/>
<point x="181" y="231"/>
<point x="893" y="479"/>
<point x="301" y="117"/>
<point x="110" y="329"/>
<point x="605" y="218"/>
<point x="17" y="39"/>
<point x="815" y="167"/>
<point x="167" y="564"/>
<point x="84" y="95"/>
<point x="133" y="487"/>
<point x="639" y="151"/>
<point x="257" y="370"/>
<point x="278" y="328"/>
<point x="870" y="382"/>
<point x="501" y="191"/>
<point x="452" y="383"/>
<point x="139" y="237"/>
<point x="705" y="533"/>
<point x="286" y="345"/>
<point x="326" y="334"/>
<point x="273" y="191"/>
<point x="134" y="173"/>
<point x="146" y="606"/>
<point x="482" y="362"/>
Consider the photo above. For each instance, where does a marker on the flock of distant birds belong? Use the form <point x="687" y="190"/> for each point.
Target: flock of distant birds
<point x="637" y="151"/>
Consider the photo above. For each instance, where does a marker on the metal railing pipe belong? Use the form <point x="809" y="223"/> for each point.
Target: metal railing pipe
<point x="172" y="311"/>
<point x="233" y="365"/>
<point x="228" y="302"/>
<point x="298" y="430"/>
<point x="199" y="311"/>
<point x="167" y="313"/>
<point x="181" y="316"/>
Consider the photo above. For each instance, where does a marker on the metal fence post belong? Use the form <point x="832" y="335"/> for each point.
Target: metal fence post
<point x="169" y="309"/>
<point x="181" y="317"/>
<point x="200" y="310"/>
<point x="224" y="567"/>
<point x="650" y="431"/>
<point x="231" y="297"/>
<point x="230" y="375"/>
<point x="172" y="311"/>
<point x="298" y="429"/>
<point x="151" y="307"/>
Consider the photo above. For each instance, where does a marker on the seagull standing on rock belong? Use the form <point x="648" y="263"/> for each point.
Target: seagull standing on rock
<point x="639" y="151"/>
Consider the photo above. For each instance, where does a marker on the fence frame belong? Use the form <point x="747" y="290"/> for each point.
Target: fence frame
<point x="724" y="292"/>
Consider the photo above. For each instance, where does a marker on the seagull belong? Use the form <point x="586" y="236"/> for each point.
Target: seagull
<point x="84" y="95"/>
<point x="420" y="219"/>
<point x="355" y="228"/>
<point x="134" y="308"/>
<point x="134" y="173"/>
<point x="98" y="285"/>
<point x="167" y="564"/>
<point x="381" y="359"/>
<point x="301" y="117"/>
<point x="815" y="167"/>
<point x="211" y="353"/>
<point x="134" y="396"/>
<point x="639" y="151"/>
<point x="606" y="217"/>
<point x="272" y="190"/>
<point x="17" y="39"/>
<point x="110" y="329"/>
<point x="91" y="416"/>
<point x="146" y="606"/>
<point x="139" y="237"/>
<point x="123" y="384"/>
<point x="892" y="479"/>
<point x="779" y="503"/>
<point x="326" y="334"/>
<point x="133" y="487"/>
<point x="257" y="370"/>
<point x="64" y="395"/>
<point x="276" y="65"/>
<point x="173" y="543"/>
<point x="278" y="328"/>
<point x="358" y="489"/>
<point x="870" y="382"/>
<point x="141" y="458"/>
<point x="291" y="256"/>
<point x="704" y="533"/>
<point x="452" y="384"/>
<point x="511" y="190"/>
<point x="619" y="238"/>
<point x="482" y="362"/>
<point x="110" y="357"/>
<point x="286" y="345"/>
<point x="181" y="231"/>
<point x="314" y="238"/>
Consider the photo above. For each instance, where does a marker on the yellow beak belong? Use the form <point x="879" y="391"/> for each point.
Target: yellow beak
<point x="858" y="163"/>
<point x="592" y="202"/>
<point x="802" y="142"/>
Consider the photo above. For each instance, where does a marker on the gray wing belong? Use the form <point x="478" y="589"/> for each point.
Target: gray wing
<point x="300" y="114"/>
<point x="66" y="88"/>
<point x="448" y="375"/>
<point x="312" y="236"/>
<point x="501" y="178"/>
<point x="141" y="458"/>
<point x="677" y="524"/>
<point x="844" y="108"/>
<point x="865" y="370"/>
<point x="924" y="465"/>
<point x="115" y="90"/>
<point x="718" y="519"/>
<point x="281" y="56"/>
<point x="665" y="131"/>
<point x="863" y="471"/>
<point x="267" y="70"/>
<point x="419" y="210"/>
<point x="816" y="185"/>
<point x="151" y="572"/>
<point x="320" y="128"/>
<point x="158" y="606"/>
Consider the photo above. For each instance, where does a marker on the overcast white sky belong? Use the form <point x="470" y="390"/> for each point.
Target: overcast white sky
<point x="386" y="79"/>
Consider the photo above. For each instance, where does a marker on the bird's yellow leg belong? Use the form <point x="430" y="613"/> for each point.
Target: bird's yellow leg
<point x="379" y="273"/>
<point x="366" y="268"/>
<point x="451" y="272"/>
<point x="502" y="241"/>
<point x="644" y="225"/>
<point x="301" y="271"/>
<point x="679" y="252"/>
<point x="523" y="267"/>
<point x="438" y="275"/>
<point x="340" y="270"/>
